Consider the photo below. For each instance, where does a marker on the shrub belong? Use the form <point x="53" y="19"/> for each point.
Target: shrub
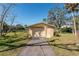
<point x="66" y="29"/>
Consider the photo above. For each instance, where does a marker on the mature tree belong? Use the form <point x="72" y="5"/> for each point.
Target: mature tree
<point x="5" y="27"/>
<point x="77" y="22"/>
<point x="72" y="8"/>
<point x="57" y="17"/>
<point x="5" y="10"/>
<point x="25" y="26"/>
<point x="19" y="27"/>
<point x="11" y="24"/>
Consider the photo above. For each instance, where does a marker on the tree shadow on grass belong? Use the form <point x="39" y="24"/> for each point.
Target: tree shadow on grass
<point x="9" y="39"/>
<point x="44" y="43"/>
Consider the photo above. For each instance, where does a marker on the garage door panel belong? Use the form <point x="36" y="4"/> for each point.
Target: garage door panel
<point x="37" y="32"/>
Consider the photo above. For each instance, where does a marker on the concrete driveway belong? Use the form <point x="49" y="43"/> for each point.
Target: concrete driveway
<point x="37" y="47"/>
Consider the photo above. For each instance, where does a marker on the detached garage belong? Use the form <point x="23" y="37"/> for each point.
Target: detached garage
<point x="41" y="30"/>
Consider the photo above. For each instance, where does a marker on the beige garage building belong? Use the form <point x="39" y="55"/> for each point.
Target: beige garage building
<point x="41" y="30"/>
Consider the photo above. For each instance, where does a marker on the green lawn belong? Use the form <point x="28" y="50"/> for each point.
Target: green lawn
<point x="65" y="45"/>
<point x="65" y="38"/>
<point x="11" y="44"/>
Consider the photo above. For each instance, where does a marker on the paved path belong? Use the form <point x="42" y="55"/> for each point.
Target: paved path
<point x="37" y="47"/>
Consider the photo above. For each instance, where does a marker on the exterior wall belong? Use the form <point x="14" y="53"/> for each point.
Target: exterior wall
<point x="30" y="31"/>
<point x="50" y="32"/>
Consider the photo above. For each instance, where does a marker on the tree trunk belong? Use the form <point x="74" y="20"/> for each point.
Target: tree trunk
<point x="3" y="17"/>
<point x="74" y="25"/>
<point x="1" y="31"/>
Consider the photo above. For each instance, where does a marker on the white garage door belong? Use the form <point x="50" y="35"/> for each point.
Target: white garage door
<point x="37" y="32"/>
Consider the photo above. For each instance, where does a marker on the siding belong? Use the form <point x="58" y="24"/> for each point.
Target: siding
<point x="50" y="32"/>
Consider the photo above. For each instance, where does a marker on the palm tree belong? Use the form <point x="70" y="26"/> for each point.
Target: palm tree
<point x="72" y="8"/>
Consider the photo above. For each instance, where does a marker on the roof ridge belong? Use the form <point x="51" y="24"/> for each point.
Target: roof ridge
<point x="42" y="23"/>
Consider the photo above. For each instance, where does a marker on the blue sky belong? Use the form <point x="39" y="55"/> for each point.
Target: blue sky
<point x="30" y="13"/>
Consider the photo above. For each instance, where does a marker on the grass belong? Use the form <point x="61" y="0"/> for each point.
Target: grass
<point x="12" y="52"/>
<point x="11" y="44"/>
<point x="65" y="45"/>
<point x="65" y="38"/>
